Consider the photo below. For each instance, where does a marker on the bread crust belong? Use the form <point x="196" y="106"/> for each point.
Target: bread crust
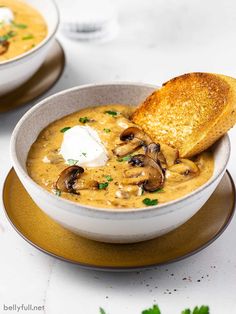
<point x="189" y="112"/>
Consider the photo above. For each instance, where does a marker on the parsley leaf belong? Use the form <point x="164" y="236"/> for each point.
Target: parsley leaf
<point x="154" y="310"/>
<point x="84" y="119"/>
<point x="109" y="178"/>
<point x="65" y="129"/>
<point x="19" y="25"/>
<point x="107" y="130"/>
<point x="27" y="37"/>
<point x="103" y="185"/>
<point x="7" y="36"/>
<point x="126" y="158"/>
<point x="147" y="201"/>
<point x="111" y="112"/>
<point x="72" y="162"/>
<point x="84" y="154"/>
<point x="197" y="310"/>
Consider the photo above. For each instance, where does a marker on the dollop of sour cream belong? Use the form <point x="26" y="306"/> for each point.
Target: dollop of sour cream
<point x="82" y="146"/>
<point x="6" y="15"/>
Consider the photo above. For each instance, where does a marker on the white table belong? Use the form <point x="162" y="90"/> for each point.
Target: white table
<point x="157" y="40"/>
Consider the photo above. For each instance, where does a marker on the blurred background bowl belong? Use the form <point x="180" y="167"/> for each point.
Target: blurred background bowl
<point x="16" y="71"/>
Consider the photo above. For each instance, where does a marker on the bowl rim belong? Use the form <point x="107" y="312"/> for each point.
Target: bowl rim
<point x="82" y="208"/>
<point x="40" y="45"/>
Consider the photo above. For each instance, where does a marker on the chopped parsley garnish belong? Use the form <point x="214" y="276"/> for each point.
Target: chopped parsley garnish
<point x="147" y="201"/>
<point x="102" y="311"/>
<point x="7" y="36"/>
<point x="65" y="129"/>
<point x="27" y="37"/>
<point x="125" y="158"/>
<point x="103" y="185"/>
<point x="72" y="162"/>
<point x="57" y="192"/>
<point x="107" y="130"/>
<point x="109" y="178"/>
<point x="111" y="112"/>
<point x="19" y="25"/>
<point x="84" y="154"/>
<point x="84" y="119"/>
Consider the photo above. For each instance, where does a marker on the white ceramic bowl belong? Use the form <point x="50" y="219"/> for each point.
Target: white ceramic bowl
<point x="17" y="71"/>
<point x="108" y="225"/>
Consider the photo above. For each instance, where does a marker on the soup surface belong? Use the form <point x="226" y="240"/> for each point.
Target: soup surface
<point x="117" y="186"/>
<point x="21" y="28"/>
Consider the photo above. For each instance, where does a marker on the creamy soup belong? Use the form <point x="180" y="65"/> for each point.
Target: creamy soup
<point x="121" y="167"/>
<point x="21" y="28"/>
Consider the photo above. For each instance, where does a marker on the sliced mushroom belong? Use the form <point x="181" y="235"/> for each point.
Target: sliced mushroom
<point x="68" y="177"/>
<point x="134" y="132"/>
<point x="137" y="175"/>
<point x="153" y="150"/>
<point x="183" y="170"/>
<point x="124" y="149"/>
<point x="170" y="154"/>
<point x="134" y="138"/>
<point x="4" y="45"/>
<point x="150" y="176"/>
<point x="69" y="180"/>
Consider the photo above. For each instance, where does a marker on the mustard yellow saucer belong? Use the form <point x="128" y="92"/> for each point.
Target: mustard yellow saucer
<point x="45" y="234"/>
<point x="42" y="81"/>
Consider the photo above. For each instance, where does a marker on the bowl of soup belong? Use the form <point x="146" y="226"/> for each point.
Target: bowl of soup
<point x="90" y="168"/>
<point x="27" y="31"/>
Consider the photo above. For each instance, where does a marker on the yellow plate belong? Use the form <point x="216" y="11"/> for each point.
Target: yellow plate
<point x="42" y="81"/>
<point x="45" y="234"/>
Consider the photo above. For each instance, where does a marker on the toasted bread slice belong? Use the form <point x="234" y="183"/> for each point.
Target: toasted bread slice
<point x="189" y="112"/>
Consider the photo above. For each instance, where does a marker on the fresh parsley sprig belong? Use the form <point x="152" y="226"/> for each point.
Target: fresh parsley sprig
<point x="156" y="310"/>
<point x="197" y="310"/>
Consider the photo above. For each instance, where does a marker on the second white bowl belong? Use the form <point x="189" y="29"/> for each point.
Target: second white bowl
<point x="16" y="71"/>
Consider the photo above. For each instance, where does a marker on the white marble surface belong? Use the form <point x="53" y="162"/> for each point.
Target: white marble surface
<point x="158" y="39"/>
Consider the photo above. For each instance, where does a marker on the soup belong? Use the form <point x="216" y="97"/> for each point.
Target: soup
<point x="21" y="28"/>
<point x="98" y="157"/>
